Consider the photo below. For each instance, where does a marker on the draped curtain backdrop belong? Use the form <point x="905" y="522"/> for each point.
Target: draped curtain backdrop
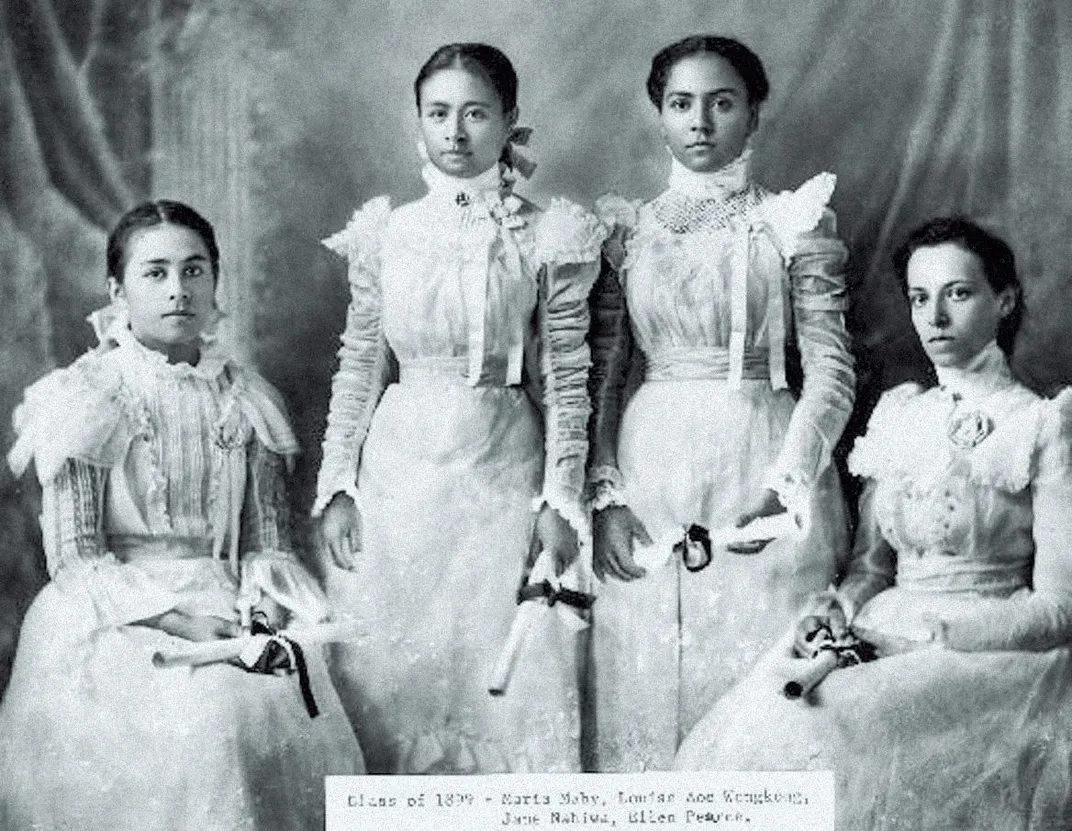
<point x="277" y="119"/>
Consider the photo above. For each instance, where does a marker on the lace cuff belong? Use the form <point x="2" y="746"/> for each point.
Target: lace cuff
<point x="279" y="576"/>
<point x="364" y="358"/>
<point x="606" y="487"/>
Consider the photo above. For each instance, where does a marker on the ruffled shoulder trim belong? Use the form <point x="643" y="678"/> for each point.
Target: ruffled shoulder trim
<point x="362" y="237"/>
<point x="617" y="211"/>
<point x="72" y="413"/>
<point x="622" y="218"/>
<point x="265" y="410"/>
<point x="1033" y="442"/>
<point x="883" y="447"/>
<point x="794" y="213"/>
<point x="567" y="233"/>
<point x="1024" y="438"/>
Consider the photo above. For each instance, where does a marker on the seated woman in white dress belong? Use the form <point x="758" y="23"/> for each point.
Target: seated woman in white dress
<point x="961" y="581"/>
<point x="165" y="522"/>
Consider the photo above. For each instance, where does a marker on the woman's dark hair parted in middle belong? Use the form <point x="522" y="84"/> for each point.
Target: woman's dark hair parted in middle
<point x="149" y="215"/>
<point x="487" y="61"/>
<point x="740" y="57"/>
<point x="993" y="253"/>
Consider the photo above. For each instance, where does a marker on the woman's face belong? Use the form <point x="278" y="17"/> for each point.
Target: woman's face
<point x="955" y="311"/>
<point x="706" y="116"/>
<point x="463" y="123"/>
<point x="168" y="289"/>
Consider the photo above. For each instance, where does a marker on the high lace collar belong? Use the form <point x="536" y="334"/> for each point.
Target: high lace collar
<point x="719" y="184"/>
<point x="462" y="192"/>
<point x="986" y="373"/>
<point x="209" y="366"/>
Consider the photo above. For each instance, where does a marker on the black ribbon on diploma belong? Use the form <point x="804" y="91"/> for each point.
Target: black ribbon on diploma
<point x="826" y="653"/>
<point x="694" y="548"/>
<point x="282" y="654"/>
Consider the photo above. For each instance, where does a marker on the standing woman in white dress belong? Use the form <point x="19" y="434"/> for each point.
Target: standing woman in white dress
<point x="712" y="281"/>
<point x="444" y="464"/>
<point x="165" y="522"/>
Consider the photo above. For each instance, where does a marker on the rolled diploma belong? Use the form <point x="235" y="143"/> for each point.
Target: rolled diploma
<point x="811" y="675"/>
<point x="214" y="652"/>
<point x="524" y="619"/>
<point x="785" y="524"/>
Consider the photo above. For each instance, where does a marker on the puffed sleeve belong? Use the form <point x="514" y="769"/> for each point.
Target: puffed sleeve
<point x="805" y="231"/>
<point x="611" y="344"/>
<point x="75" y="413"/>
<point x="1039" y="617"/>
<point x="364" y="358"/>
<point x="72" y="424"/>
<point x="269" y="565"/>
<point x="72" y="524"/>
<point x="568" y="241"/>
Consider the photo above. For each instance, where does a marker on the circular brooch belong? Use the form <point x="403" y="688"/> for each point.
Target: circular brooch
<point x="966" y="430"/>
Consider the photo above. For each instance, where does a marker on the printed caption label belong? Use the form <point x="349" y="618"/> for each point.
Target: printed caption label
<point x="684" y="801"/>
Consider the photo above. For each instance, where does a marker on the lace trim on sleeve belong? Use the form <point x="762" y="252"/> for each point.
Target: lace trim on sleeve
<point x="792" y="214"/>
<point x="571" y="247"/>
<point x="360" y="240"/>
<point x="72" y="413"/>
<point x="881" y="450"/>
<point x="621" y="216"/>
<point x="1032" y="445"/>
<point x="567" y="233"/>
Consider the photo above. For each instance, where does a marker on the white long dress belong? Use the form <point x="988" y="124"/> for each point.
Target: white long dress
<point x="461" y="300"/>
<point x="964" y="552"/>
<point x="148" y="470"/>
<point x="716" y="276"/>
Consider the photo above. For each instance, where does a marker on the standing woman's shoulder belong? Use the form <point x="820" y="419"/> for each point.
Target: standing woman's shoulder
<point x="798" y="218"/>
<point x="567" y="233"/>
<point x="361" y="239"/>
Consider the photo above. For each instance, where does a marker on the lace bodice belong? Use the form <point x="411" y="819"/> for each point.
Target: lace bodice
<point x="138" y="457"/>
<point x="969" y="484"/>
<point x="473" y="282"/>
<point x="722" y="274"/>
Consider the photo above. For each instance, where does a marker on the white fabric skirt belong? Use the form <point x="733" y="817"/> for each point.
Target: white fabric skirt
<point x="928" y="739"/>
<point x="448" y="475"/>
<point x="666" y="646"/>
<point x="93" y="737"/>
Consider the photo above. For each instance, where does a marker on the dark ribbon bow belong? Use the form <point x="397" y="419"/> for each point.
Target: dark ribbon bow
<point x="694" y="548"/>
<point x="277" y="654"/>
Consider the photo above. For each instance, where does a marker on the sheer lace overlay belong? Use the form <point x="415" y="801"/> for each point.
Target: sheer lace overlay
<point x="478" y="297"/>
<point x="704" y="289"/>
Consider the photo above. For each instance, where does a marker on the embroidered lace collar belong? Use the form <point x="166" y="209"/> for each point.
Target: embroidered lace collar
<point x="719" y="184"/>
<point x="987" y="372"/>
<point x="463" y="192"/>
<point x="208" y="367"/>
